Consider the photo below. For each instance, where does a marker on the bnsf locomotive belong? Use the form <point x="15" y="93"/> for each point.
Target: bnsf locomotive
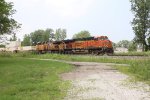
<point x="91" y="45"/>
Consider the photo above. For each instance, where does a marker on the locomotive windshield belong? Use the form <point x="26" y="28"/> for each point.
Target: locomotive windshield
<point x="103" y="38"/>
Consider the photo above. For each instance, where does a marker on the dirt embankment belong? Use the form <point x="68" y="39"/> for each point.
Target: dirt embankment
<point x="99" y="81"/>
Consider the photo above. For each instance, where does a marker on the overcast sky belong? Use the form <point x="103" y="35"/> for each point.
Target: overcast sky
<point x="100" y="17"/>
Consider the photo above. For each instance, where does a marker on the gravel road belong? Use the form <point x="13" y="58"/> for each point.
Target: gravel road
<point x="99" y="81"/>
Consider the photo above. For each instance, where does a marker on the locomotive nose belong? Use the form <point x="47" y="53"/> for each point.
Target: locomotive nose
<point x="108" y="44"/>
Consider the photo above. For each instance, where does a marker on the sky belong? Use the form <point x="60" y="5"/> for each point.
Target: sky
<point x="111" y="18"/>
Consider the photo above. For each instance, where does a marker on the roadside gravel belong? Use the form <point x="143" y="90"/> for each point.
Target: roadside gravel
<point x="99" y="81"/>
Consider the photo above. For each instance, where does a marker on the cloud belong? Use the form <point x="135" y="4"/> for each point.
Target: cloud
<point x="69" y="8"/>
<point x="62" y="8"/>
<point x="35" y="14"/>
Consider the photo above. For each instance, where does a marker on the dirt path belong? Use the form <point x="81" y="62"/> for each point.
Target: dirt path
<point x="99" y="81"/>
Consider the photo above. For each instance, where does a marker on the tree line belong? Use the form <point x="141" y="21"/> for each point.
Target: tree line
<point x="50" y="35"/>
<point x="43" y="35"/>
<point x="130" y="45"/>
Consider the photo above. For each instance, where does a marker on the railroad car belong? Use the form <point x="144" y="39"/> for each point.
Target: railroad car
<point x="91" y="45"/>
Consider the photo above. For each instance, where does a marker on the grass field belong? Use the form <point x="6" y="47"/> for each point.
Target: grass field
<point x="24" y="79"/>
<point x="140" y="68"/>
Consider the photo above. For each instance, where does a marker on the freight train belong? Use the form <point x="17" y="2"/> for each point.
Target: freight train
<point x="91" y="45"/>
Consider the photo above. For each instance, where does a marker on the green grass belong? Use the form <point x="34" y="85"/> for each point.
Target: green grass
<point x="81" y="58"/>
<point x="26" y="79"/>
<point x="133" y="54"/>
<point x="140" y="68"/>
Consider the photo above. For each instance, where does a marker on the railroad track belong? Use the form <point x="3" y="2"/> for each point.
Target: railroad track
<point x="113" y="55"/>
<point x="124" y="56"/>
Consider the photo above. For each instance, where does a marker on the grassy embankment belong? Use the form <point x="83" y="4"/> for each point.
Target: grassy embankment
<point x="140" y="68"/>
<point x="26" y="79"/>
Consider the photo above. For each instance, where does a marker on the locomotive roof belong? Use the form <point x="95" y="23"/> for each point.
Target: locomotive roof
<point x="72" y="40"/>
<point x="57" y="42"/>
<point x="83" y="39"/>
<point x="79" y="39"/>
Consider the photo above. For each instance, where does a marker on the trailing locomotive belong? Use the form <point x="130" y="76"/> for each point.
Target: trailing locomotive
<point x="91" y="45"/>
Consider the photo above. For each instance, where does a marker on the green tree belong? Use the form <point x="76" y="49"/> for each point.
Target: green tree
<point x="114" y="45"/>
<point x="14" y="37"/>
<point x="37" y="36"/>
<point x="4" y="39"/>
<point x="41" y="36"/>
<point x="7" y="23"/>
<point x="141" y="22"/>
<point x="2" y="46"/>
<point x="63" y="34"/>
<point x="48" y="35"/>
<point x="123" y="43"/>
<point x="26" y="40"/>
<point x="148" y="43"/>
<point x="132" y="46"/>
<point x="60" y="34"/>
<point x="82" y="34"/>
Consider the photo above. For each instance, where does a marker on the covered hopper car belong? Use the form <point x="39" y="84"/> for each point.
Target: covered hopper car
<point x="91" y="45"/>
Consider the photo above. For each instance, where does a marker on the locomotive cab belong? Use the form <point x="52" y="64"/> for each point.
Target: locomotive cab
<point x="102" y="38"/>
<point x="106" y="44"/>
